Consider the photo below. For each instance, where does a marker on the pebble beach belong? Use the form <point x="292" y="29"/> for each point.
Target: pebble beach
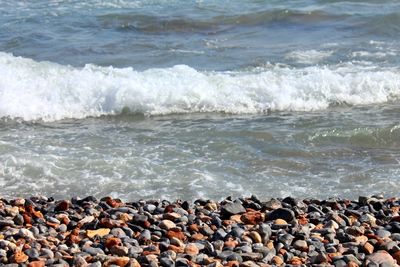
<point x="41" y="231"/>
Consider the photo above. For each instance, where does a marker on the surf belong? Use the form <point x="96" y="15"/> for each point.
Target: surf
<point x="32" y="90"/>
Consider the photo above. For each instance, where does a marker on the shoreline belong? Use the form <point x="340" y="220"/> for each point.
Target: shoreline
<point x="40" y="231"/>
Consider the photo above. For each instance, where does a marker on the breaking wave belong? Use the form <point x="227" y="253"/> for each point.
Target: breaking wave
<point x="48" y="91"/>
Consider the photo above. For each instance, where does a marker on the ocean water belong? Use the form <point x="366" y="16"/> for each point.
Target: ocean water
<point x="199" y="99"/>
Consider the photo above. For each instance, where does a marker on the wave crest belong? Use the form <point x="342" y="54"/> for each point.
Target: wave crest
<point x="48" y="91"/>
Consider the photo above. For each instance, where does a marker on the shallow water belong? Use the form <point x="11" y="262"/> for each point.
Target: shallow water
<point x="329" y="153"/>
<point x="173" y="99"/>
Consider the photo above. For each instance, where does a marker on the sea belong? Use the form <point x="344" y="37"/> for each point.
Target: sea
<point x="166" y="99"/>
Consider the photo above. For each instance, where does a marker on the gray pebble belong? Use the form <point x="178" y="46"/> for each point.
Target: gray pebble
<point x="32" y="253"/>
<point x="95" y="264"/>
<point x="47" y="253"/>
<point x="93" y="251"/>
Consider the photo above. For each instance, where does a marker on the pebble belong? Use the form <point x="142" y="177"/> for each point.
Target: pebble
<point x="232" y="208"/>
<point x="381" y="257"/>
<point x="383" y="233"/>
<point x="300" y="245"/>
<point x="282" y="213"/>
<point x="166" y="224"/>
<point x="32" y="253"/>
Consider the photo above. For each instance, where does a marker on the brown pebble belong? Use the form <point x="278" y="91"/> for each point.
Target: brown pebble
<point x="191" y="249"/>
<point x="296" y="261"/>
<point x="63" y="218"/>
<point x="276" y="260"/>
<point x="302" y="220"/>
<point x="255" y="236"/>
<point x="334" y="254"/>
<point x="166" y="224"/>
<point x="172" y="216"/>
<point x="234" y="218"/>
<point x="134" y="263"/>
<point x="33" y="212"/>
<point x="120" y="261"/>
<point x="301" y="245"/>
<point x="280" y="222"/>
<point x="99" y="232"/>
<point x="368" y="248"/>
<point x="119" y="250"/>
<point x="194" y="227"/>
<point x="112" y="241"/>
<point x="362" y="239"/>
<point x="110" y="223"/>
<point x="62" y="206"/>
<point x="230" y="243"/>
<point x="27" y="218"/>
<point x="36" y="264"/>
<point x="252" y="217"/>
<point x="19" y="257"/>
<point x="396" y="256"/>
<point x="197" y="236"/>
<point x="51" y="224"/>
<point x="211" y="206"/>
<point x="176" y="249"/>
<point x="351" y="264"/>
<point x="232" y="264"/>
<point x="114" y="203"/>
<point x="74" y="238"/>
<point x="177" y="234"/>
<point x="125" y="217"/>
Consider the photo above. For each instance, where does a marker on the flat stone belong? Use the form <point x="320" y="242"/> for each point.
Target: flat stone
<point x="39" y="263"/>
<point x="119" y="250"/>
<point x="301" y="245"/>
<point x="119" y="261"/>
<point x="99" y="232"/>
<point x="47" y="253"/>
<point x="383" y="233"/>
<point x="234" y="257"/>
<point x="79" y="261"/>
<point x="252" y="217"/>
<point x="368" y="248"/>
<point x="232" y="208"/>
<point x="251" y="256"/>
<point x="12" y="211"/>
<point x="6" y="222"/>
<point x="93" y="251"/>
<point x="167" y="262"/>
<point x="381" y="257"/>
<point x="166" y="224"/>
<point x="25" y="233"/>
<point x="351" y="258"/>
<point x="32" y="253"/>
<point x="282" y="213"/>
<point x="172" y="216"/>
<point x="191" y="249"/>
<point x="255" y="236"/>
<point x="19" y="257"/>
<point x="276" y="260"/>
<point x="145" y="234"/>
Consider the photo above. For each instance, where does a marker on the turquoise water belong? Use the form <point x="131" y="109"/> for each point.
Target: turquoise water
<point x="188" y="99"/>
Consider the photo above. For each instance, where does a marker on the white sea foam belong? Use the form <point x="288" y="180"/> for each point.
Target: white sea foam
<point x="43" y="90"/>
<point x="366" y="54"/>
<point x="309" y="56"/>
